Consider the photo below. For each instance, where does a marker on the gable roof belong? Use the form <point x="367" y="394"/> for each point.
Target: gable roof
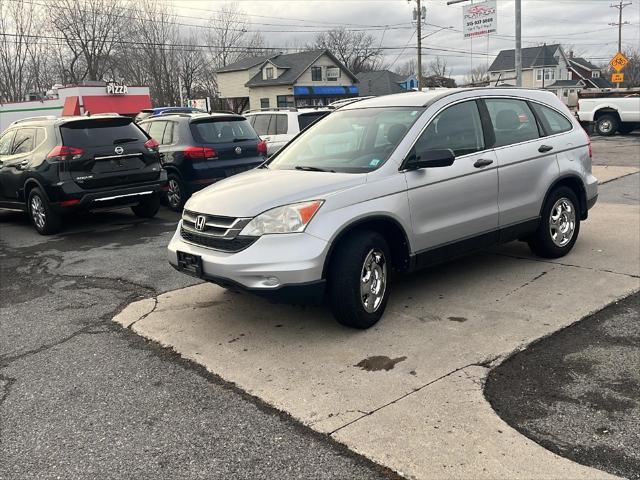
<point x="583" y="63"/>
<point x="600" y="82"/>
<point x="383" y="82"/>
<point x="540" y="56"/>
<point x="244" y="64"/>
<point x="565" y="83"/>
<point x="294" y="64"/>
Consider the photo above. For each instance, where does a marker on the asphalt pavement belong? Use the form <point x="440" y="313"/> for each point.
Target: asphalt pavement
<point x="81" y="397"/>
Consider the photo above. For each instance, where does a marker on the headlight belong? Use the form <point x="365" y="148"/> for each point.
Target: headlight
<point x="287" y="219"/>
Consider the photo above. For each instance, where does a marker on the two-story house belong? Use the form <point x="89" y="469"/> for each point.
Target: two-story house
<point x="541" y="66"/>
<point x="300" y="79"/>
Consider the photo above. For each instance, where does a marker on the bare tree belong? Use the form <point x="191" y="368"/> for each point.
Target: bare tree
<point x="18" y="23"/>
<point x="438" y="67"/>
<point x="408" y="68"/>
<point x="632" y="70"/>
<point x="356" y="50"/>
<point x="478" y="76"/>
<point x="229" y="37"/>
<point x="91" y="29"/>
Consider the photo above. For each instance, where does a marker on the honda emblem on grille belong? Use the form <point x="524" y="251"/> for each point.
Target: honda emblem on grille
<point x="119" y="150"/>
<point x="238" y="150"/>
<point x="200" y="222"/>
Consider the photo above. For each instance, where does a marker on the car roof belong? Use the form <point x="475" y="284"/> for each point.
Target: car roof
<point x="51" y="120"/>
<point x="284" y="110"/>
<point x="424" y="99"/>
<point x="192" y="116"/>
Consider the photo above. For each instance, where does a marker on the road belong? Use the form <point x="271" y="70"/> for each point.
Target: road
<point x="81" y="397"/>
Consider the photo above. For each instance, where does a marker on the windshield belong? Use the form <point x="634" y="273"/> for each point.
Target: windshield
<point x="350" y="141"/>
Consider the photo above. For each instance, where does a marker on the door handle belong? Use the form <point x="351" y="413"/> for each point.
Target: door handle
<point x="545" y="148"/>
<point x="483" y="162"/>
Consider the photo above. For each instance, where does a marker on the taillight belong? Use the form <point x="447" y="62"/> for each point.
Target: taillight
<point x="199" y="153"/>
<point x="262" y="147"/>
<point x="63" y="152"/>
<point x="152" y="144"/>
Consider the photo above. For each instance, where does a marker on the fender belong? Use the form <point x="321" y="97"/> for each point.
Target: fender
<point x="36" y="183"/>
<point x="582" y="194"/>
<point x="355" y="224"/>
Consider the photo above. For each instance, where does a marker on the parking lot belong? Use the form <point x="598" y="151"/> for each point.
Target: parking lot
<point x="193" y="380"/>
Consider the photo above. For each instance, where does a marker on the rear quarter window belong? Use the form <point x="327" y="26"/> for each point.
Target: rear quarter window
<point x="307" y="119"/>
<point x="97" y="132"/>
<point x="552" y="121"/>
<point x="222" y="131"/>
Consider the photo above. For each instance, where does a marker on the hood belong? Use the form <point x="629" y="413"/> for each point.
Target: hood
<point x="250" y="193"/>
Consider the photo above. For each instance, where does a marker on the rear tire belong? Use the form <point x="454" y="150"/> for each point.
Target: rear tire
<point x="148" y="207"/>
<point x="559" y="226"/>
<point x="43" y="218"/>
<point x="177" y="193"/>
<point x="607" y="125"/>
<point x="358" y="280"/>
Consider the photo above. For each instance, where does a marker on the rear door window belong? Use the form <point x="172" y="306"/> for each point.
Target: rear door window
<point x="222" y="131"/>
<point x="513" y="121"/>
<point x="552" y="121"/>
<point x="261" y="124"/>
<point x="99" y="132"/>
<point x="6" y="141"/>
<point x="307" y="119"/>
<point x="24" y="141"/>
<point x="167" y="137"/>
<point x="156" y="130"/>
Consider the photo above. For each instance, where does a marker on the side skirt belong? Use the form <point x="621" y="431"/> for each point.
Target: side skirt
<point x="450" y="251"/>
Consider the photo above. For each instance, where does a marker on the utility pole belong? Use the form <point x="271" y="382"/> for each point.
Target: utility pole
<point x="518" y="51"/>
<point x="418" y="14"/>
<point x="619" y="6"/>
<point x="180" y="89"/>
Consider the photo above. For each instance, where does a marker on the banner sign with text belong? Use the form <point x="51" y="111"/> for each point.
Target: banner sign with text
<point x="480" y="19"/>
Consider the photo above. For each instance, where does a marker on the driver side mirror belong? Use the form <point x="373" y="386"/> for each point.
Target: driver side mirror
<point x="430" y="158"/>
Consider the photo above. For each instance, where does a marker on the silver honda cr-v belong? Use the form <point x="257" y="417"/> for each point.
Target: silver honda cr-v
<point x="393" y="184"/>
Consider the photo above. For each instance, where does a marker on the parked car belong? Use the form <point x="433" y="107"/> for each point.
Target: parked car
<point x="54" y="166"/>
<point x="150" y="112"/>
<point x="392" y="184"/>
<point x="278" y="126"/>
<point x="198" y="149"/>
<point x="610" y="112"/>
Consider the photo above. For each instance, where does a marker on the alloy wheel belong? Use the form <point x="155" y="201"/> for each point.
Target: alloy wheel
<point x="562" y="222"/>
<point x="38" y="212"/>
<point x="174" y="196"/>
<point x="373" y="280"/>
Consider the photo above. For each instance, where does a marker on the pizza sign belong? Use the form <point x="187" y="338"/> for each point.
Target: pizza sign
<point x="480" y="19"/>
<point x="116" y="89"/>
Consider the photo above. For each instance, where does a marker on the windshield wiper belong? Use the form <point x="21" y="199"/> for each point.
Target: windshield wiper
<point x="312" y="169"/>
<point x="125" y="140"/>
<point x="242" y="139"/>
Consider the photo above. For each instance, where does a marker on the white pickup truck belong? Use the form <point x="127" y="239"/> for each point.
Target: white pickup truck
<point x="611" y="112"/>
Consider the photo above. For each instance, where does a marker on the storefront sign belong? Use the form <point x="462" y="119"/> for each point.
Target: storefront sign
<point x="116" y="89"/>
<point x="480" y="19"/>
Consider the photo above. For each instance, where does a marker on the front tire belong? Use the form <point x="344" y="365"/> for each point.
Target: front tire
<point x="43" y="218"/>
<point x="607" y="125"/>
<point x="559" y="225"/>
<point x="358" y="288"/>
<point x="148" y="207"/>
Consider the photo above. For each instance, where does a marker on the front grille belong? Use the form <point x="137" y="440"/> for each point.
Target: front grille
<point x="214" y="225"/>
<point x="217" y="243"/>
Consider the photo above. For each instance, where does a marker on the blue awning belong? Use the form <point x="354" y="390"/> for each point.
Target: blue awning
<point x="325" y="90"/>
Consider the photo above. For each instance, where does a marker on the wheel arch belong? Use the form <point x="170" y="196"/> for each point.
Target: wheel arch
<point x="388" y="227"/>
<point x="606" y="111"/>
<point x="29" y="184"/>
<point x="576" y="184"/>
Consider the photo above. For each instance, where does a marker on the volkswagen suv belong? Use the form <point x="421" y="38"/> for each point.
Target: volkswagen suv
<point x="393" y="184"/>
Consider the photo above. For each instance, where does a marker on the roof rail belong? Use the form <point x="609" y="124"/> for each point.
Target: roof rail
<point x="32" y="119"/>
<point x="180" y="114"/>
<point x="105" y="114"/>
<point x="276" y="109"/>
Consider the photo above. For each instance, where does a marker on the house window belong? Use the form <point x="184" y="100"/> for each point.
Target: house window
<point x="264" y="103"/>
<point x="285" y="101"/>
<point x="549" y="74"/>
<point x="539" y="75"/>
<point x="595" y="74"/>
<point x="316" y="74"/>
<point x="333" y="73"/>
<point x="269" y="73"/>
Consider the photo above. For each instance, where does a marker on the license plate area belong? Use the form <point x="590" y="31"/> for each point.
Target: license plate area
<point x="190" y="264"/>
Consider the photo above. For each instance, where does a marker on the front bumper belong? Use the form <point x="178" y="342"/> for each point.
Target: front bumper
<point x="282" y="267"/>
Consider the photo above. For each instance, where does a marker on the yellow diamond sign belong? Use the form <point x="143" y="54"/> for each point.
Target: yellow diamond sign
<point x="618" y="62"/>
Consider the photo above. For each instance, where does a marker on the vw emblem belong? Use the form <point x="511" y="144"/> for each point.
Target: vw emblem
<point x="200" y="222"/>
<point x="238" y="150"/>
<point x="119" y="150"/>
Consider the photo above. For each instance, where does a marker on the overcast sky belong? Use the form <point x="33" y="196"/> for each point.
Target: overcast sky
<point x="581" y="24"/>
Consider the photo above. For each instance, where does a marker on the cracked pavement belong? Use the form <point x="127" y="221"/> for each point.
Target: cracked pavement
<point x="80" y="397"/>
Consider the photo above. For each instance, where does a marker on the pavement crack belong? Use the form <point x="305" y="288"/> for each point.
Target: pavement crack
<point x="7" y="385"/>
<point x="527" y="283"/>
<point x="415" y="390"/>
<point x="602" y="270"/>
<point x="155" y="305"/>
